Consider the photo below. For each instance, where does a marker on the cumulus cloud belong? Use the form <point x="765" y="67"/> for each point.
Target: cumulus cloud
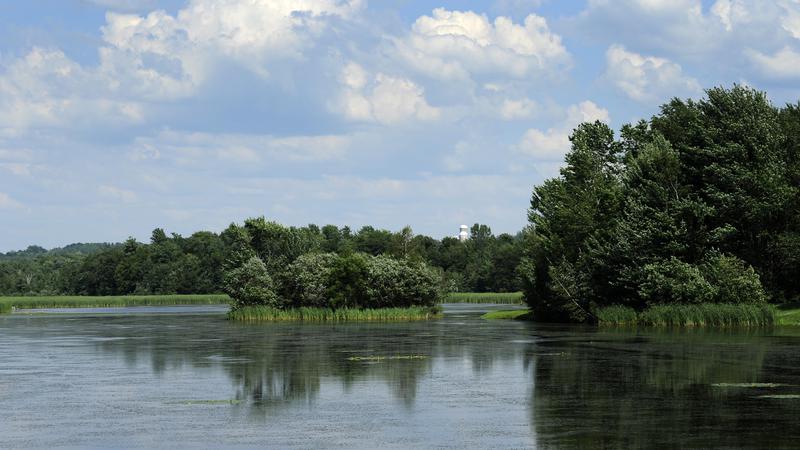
<point x="783" y="65"/>
<point x="514" y="109"/>
<point x="552" y="144"/>
<point x="381" y="98"/>
<point x="47" y="88"/>
<point x="160" y="57"/>
<point x="646" y="78"/>
<point x="685" y="28"/>
<point x="462" y="45"/>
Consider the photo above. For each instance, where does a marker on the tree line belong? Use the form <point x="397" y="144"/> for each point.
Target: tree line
<point x="700" y="204"/>
<point x="195" y="264"/>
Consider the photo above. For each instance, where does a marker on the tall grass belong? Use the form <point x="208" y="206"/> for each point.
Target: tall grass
<point x="267" y="314"/>
<point x="6" y="303"/>
<point x="505" y="298"/>
<point x="705" y="314"/>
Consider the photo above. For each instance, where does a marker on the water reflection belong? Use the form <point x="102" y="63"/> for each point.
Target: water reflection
<point x="460" y="381"/>
<point x="691" y="388"/>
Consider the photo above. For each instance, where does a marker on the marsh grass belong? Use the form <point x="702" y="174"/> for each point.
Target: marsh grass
<point x="789" y="314"/>
<point x="6" y="303"/>
<point x="516" y="314"/>
<point x="700" y="315"/>
<point x="503" y="298"/>
<point x="267" y="314"/>
<point x="617" y="315"/>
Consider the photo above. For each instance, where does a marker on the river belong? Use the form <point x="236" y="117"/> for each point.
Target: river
<point x="167" y="377"/>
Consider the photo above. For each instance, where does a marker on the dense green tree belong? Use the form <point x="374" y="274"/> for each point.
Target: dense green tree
<point x="700" y="204"/>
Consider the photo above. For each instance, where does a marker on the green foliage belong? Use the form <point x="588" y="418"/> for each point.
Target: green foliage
<point x="698" y="205"/>
<point x="250" y="284"/>
<point x="348" y="281"/>
<point x="174" y="264"/>
<point x="306" y="282"/>
<point x="734" y="280"/>
<point x="674" y="281"/>
<point x="400" y="283"/>
<point x="268" y="314"/>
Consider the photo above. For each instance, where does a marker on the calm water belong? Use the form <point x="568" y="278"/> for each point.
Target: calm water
<point x="148" y="378"/>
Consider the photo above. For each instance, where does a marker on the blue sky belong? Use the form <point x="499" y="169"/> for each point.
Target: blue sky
<point x="119" y="116"/>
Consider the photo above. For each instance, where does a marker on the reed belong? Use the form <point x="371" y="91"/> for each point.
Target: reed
<point x="268" y="314"/>
<point x="6" y="303"/>
<point x="699" y="315"/>
<point x="516" y="314"/>
<point x="503" y="298"/>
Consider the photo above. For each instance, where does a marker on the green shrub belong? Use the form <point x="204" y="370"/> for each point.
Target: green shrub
<point x="307" y="280"/>
<point x="400" y="283"/>
<point x="674" y="281"/>
<point x="734" y="281"/>
<point x="250" y="284"/>
<point x="347" y="285"/>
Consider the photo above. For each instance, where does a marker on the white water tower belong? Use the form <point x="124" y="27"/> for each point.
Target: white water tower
<point x="463" y="233"/>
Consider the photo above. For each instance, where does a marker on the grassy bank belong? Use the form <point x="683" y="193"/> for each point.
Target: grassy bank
<point x="267" y="314"/>
<point x="6" y="303"/>
<point x="789" y="314"/>
<point x="505" y="298"/>
<point x="516" y="314"/>
<point x="715" y="315"/>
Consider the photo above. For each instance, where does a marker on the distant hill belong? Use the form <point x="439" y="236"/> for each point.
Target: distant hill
<point x="79" y="248"/>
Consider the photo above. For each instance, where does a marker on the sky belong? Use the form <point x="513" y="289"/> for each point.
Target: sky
<point x="120" y="116"/>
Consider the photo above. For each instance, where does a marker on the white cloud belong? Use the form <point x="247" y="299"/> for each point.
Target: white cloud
<point x="685" y="29"/>
<point x="462" y="44"/>
<point x="197" y="148"/>
<point x="553" y="143"/>
<point x="791" y="18"/>
<point x="381" y="98"/>
<point x="113" y="192"/>
<point x="514" y="109"/>
<point x="159" y="57"/>
<point x="646" y="78"/>
<point x="783" y="65"/>
<point x="6" y="202"/>
<point x="47" y="88"/>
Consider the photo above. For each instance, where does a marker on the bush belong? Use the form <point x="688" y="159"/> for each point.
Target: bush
<point x="401" y="283"/>
<point x="328" y="280"/>
<point x="674" y="281"/>
<point x="734" y="280"/>
<point x="250" y="284"/>
<point x="347" y="285"/>
<point x="307" y="280"/>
